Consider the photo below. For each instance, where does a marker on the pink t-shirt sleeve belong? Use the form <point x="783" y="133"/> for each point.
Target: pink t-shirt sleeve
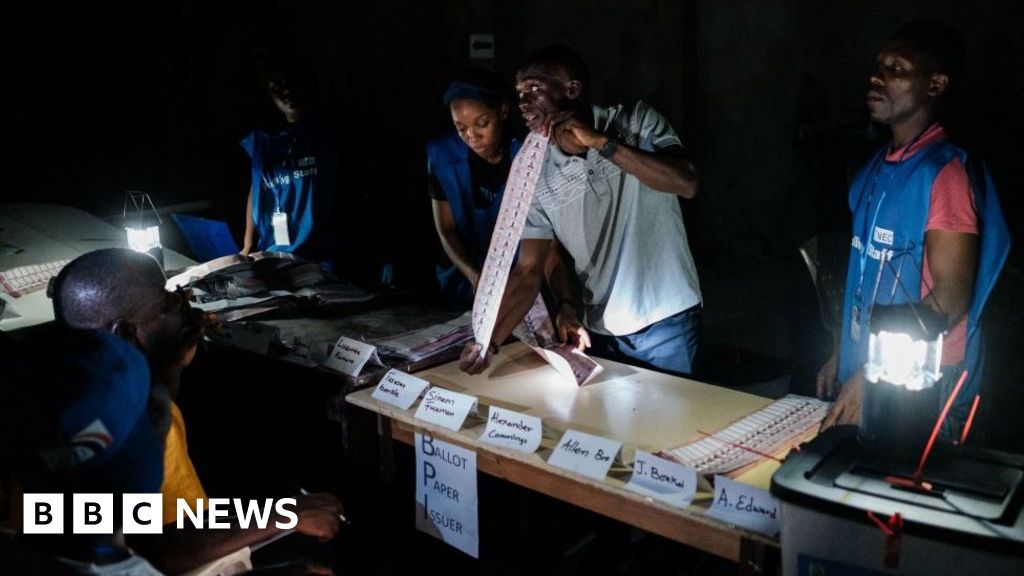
<point x="952" y="206"/>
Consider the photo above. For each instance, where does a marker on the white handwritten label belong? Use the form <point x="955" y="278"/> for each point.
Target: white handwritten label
<point x="745" y="506"/>
<point x="585" y="454"/>
<point x="663" y="479"/>
<point x="445" y="408"/>
<point x="349" y="356"/>
<point x="399" y="389"/>
<point x="446" y="495"/>
<point x="511" y="429"/>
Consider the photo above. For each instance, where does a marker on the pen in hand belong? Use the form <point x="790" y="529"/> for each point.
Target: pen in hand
<point x="341" y="516"/>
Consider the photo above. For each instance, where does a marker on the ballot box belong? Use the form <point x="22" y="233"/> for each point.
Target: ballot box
<point x="842" y="513"/>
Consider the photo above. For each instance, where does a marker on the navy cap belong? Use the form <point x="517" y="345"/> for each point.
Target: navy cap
<point x="477" y="84"/>
<point x="76" y="417"/>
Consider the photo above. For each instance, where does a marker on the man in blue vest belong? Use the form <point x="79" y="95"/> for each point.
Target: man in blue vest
<point x="926" y="214"/>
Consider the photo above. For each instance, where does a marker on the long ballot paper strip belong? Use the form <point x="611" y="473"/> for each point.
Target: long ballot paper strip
<point x="515" y="205"/>
<point x="536" y="329"/>
<point x="752" y="438"/>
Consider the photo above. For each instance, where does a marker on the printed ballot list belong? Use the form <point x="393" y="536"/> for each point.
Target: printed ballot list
<point x="446" y="497"/>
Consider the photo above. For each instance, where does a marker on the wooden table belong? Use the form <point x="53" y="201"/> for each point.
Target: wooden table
<point x="641" y="408"/>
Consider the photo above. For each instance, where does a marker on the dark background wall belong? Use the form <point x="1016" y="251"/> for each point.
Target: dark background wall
<point x="767" y="94"/>
<point x="119" y="96"/>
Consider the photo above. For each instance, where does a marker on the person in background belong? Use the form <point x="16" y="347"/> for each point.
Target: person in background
<point x="122" y="291"/>
<point x="467" y="169"/>
<point x="292" y="196"/>
<point x="923" y="200"/>
<point x="77" y="422"/>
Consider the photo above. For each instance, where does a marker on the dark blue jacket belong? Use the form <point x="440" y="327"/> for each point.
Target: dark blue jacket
<point x="449" y="163"/>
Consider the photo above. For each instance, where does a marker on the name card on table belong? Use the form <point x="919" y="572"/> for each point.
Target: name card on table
<point x="745" y="506"/>
<point x="446" y="495"/>
<point x="348" y="356"/>
<point x="663" y="479"/>
<point x="445" y="408"/>
<point x="585" y="454"/>
<point x="510" y="429"/>
<point x="399" y="389"/>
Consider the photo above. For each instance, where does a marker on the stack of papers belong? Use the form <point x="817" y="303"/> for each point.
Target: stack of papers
<point x="427" y="342"/>
<point x="236" y="276"/>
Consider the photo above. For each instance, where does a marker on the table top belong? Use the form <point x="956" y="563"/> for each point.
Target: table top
<point x="638" y="407"/>
<point x="41" y="233"/>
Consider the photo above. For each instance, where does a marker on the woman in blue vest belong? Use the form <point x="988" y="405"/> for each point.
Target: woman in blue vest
<point x="927" y="226"/>
<point x="294" y="174"/>
<point x="467" y="173"/>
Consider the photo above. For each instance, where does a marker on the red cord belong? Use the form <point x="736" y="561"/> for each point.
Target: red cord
<point x="938" y="426"/>
<point x="881" y="525"/>
<point x="893" y="530"/>
<point x="970" y="420"/>
<point x="740" y="446"/>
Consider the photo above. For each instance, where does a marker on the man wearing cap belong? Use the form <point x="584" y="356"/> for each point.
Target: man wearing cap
<point x="122" y="291"/>
<point x="77" y="423"/>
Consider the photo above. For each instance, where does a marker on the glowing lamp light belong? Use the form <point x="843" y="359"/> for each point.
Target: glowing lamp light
<point x="905" y="346"/>
<point x="143" y="239"/>
<point x="142" y="225"/>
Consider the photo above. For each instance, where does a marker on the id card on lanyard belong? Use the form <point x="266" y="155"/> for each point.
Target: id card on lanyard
<point x="857" y="311"/>
<point x="279" y="221"/>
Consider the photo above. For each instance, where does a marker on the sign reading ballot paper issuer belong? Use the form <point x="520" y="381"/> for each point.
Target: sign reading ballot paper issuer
<point x="446" y="496"/>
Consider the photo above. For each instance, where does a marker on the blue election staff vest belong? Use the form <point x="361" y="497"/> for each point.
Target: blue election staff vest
<point x="449" y="163"/>
<point x="890" y="203"/>
<point x="294" y="171"/>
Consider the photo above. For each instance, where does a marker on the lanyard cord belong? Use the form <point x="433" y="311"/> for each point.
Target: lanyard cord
<point x="868" y="233"/>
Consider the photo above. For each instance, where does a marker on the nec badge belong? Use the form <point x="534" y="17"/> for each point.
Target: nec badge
<point x="883" y="236"/>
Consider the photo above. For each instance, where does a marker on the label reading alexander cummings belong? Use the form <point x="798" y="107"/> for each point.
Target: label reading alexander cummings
<point x="511" y="429"/>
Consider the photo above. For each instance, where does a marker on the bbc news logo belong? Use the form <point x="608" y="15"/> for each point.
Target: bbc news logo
<point x="143" y="513"/>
